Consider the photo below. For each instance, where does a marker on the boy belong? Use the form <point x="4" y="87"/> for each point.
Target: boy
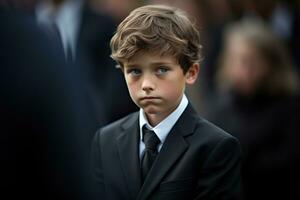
<point x="164" y="151"/>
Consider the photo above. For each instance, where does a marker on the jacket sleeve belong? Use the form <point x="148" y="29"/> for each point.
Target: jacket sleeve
<point x="220" y="179"/>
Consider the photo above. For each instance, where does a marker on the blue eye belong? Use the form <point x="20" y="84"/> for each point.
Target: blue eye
<point x="162" y="70"/>
<point x="134" y="72"/>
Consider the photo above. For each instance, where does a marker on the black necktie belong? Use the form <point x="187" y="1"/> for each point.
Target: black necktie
<point x="151" y="141"/>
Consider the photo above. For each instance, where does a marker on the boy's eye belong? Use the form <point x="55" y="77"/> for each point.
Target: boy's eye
<point x="162" y="70"/>
<point x="134" y="72"/>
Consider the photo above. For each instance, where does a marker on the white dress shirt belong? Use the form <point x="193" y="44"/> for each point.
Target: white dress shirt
<point x="163" y="128"/>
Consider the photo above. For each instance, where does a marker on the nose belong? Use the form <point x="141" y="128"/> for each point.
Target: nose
<point x="148" y="83"/>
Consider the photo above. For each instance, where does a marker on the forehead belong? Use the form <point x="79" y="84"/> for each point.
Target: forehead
<point x="150" y="58"/>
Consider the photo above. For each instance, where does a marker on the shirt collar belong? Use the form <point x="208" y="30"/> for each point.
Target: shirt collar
<point x="163" y="128"/>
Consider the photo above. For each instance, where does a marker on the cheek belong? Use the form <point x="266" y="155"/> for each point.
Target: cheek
<point x="132" y="87"/>
<point x="172" y="89"/>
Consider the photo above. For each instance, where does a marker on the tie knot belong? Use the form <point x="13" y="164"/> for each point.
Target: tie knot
<point x="150" y="139"/>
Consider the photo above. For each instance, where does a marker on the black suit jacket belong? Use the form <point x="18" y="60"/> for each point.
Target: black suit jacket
<point x="197" y="161"/>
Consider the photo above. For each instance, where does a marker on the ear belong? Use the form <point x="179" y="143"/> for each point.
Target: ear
<point x="192" y="74"/>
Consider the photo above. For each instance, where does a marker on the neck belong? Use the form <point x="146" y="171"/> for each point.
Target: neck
<point x="155" y="119"/>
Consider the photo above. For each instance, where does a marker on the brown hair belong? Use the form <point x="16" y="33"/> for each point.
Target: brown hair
<point x="282" y="76"/>
<point x="157" y="28"/>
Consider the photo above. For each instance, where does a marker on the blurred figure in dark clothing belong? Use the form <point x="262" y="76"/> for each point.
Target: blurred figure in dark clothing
<point x="259" y="104"/>
<point x="283" y="17"/>
<point x="45" y="120"/>
<point x="85" y="36"/>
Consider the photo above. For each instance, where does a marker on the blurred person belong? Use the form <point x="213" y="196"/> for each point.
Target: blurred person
<point x="85" y="34"/>
<point x="164" y="151"/>
<point x="65" y="15"/>
<point x="217" y="14"/>
<point x="283" y="18"/>
<point x="259" y="104"/>
<point x="45" y="119"/>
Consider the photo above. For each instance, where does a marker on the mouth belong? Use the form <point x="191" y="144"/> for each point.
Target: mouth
<point x="149" y="98"/>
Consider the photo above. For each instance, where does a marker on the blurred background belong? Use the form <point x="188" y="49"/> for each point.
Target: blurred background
<point x="248" y="84"/>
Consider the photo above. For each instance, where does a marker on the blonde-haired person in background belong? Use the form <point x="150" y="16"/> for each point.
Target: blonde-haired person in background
<point x="164" y="151"/>
<point x="258" y="87"/>
<point x="254" y="60"/>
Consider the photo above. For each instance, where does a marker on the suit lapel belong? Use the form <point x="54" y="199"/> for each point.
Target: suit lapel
<point x="173" y="148"/>
<point x="128" y="148"/>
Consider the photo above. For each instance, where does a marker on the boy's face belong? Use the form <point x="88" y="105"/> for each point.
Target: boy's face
<point x="156" y="83"/>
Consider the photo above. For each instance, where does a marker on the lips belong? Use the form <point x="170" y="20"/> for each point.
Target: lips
<point x="149" y="98"/>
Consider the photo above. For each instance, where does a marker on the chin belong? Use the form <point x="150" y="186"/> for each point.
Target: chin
<point x="151" y="110"/>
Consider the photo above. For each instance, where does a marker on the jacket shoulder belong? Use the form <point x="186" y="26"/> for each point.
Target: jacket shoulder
<point x="116" y="126"/>
<point x="211" y="134"/>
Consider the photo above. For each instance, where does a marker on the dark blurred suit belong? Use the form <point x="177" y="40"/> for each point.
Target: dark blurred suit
<point x="89" y="42"/>
<point x="45" y="120"/>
